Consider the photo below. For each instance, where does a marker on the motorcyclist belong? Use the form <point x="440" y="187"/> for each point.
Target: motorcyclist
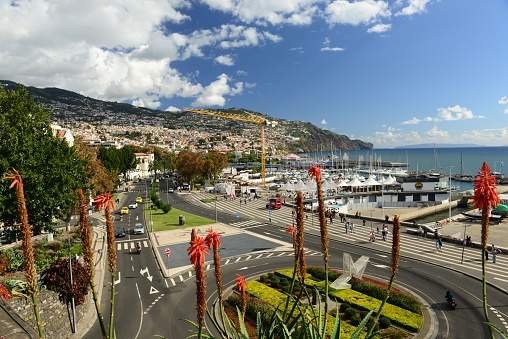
<point x="138" y="246"/>
<point x="449" y="296"/>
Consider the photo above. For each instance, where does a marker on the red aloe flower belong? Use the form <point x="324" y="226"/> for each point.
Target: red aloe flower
<point x="485" y="194"/>
<point x="197" y="251"/>
<point x="241" y="283"/>
<point x="315" y="172"/>
<point x="212" y="238"/>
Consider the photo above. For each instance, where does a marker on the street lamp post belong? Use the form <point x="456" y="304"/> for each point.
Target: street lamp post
<point x="450" y="196"/>
<point x="382" y="201"/>
<point x="371" y="220"/>
<point x="216" y="197"/>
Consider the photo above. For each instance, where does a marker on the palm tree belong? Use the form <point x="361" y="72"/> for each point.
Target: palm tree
<point x="88" y="257"/>
<point x="485" y="198"/>
<point x="105" y="201"/>
<point x="28" y="251"/>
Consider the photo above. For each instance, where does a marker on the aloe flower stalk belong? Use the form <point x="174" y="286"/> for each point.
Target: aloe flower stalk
<point x="105" y="201"/>
<point x="302" y="266"/>
<point x="241" y="283"/>
<point x="485" y="197"/>
<point x="28" y="251"/>
<point x="393" y="268"/>
<point x="315" y="172"/>
<point x="291" y="229"/>
<point x="88" y="257"/>
<point x="197" y="252"/>
<point x="212" y="240"/>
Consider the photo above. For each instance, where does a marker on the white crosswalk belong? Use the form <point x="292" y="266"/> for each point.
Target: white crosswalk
<point x="130" y="245"/>
<point x="452" y="255"/>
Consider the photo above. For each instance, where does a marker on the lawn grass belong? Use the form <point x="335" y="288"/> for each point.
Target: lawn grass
<point x="170" y="221"/>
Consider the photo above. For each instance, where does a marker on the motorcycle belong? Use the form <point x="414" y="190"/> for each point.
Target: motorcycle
<point x="138" y="248"/>
<point x="449" y="299"/>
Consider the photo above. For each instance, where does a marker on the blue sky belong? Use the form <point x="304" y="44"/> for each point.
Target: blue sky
<point x="392" y="73"/>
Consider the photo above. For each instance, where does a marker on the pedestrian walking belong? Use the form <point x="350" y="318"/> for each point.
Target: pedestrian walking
<point x="331" y="219"/>
<point x="372" y="236"/>
<point x="347" y="226"/>
<point x="437" y="246"/>
<point x="352" y="227"/>
<point x="420" y="231"/>
<point x="383" y="233"/>
<point x="494" y="253"/>
<point x="363" y="221"/>
<point x="486" y="254"/>
<point x="440" y="242"/>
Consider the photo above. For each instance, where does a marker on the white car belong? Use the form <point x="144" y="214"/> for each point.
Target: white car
<point x="139" y="228"/>
<point x="133" y="204"/>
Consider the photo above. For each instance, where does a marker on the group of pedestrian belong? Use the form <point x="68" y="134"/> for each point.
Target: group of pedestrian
<point x="349" y="225"/>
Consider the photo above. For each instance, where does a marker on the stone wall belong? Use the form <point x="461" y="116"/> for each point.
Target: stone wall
<point x="56" y="316"/>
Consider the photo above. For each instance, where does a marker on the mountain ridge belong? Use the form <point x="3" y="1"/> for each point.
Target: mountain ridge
<point x="66" y="105"/>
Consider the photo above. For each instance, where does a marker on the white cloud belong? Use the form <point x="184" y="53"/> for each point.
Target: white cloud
<point x="413" y="7"/>
<point x="437" y="134"/>
<point x="456" y="113"/>
<point x="226" y="60"/>
<point x="327" y="47"/>
<point x="413" y="121"/>
<point x="323" y="122"/>
<point x="273" y="12"/>
<point x="172" y="109"/>
<point x="504" y="101"/>
<point x="379" y="28"/>
<point x="214" y="94"/>
<point x="356" y="13"/>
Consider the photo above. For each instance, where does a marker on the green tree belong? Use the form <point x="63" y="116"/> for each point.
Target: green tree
<point x="52" y="170"/>
<point x="118" y="159"/>
<point x="213" y="164"/>
<point x="189" y="165"/>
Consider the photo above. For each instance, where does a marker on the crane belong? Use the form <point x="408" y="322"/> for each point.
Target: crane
<point x="261" y="121"/>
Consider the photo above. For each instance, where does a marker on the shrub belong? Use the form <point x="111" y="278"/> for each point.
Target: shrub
<point x="284" y="282"/>
<point x="285" y="288"/>
<point x="5" y="263"/>
<point x="384" y="322"/>
<point x="58" y="280"/>
<point x="343" y="307"/>
<point x="271" y="275"/>
<point x="356" y="320"/>
<point x="263" y="278"/>
<point x="165" y="208"/>
<point x="274" y="283"/>
<point x="363" y="314"/>
<point x="349" y="313"/>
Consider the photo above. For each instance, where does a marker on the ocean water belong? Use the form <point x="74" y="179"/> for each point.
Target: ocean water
<point x="466" y="160"/>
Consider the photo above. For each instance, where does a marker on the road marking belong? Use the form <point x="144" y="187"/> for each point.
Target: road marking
<point x="173" y="281"/>
<point x="250" y="256"/>
<point x="190" y="274"/>
<point x="153" y="290"/>
<point x="380" y="265"/>
<point x="504" y="280"/>
<point x="238" y="259"/>
<point x="259" y="256"/>
<point x="181" y="278"/>
<point x="145" y="270"/>
<point x="227" y="262"/>
<point x="269" y="255"/>
<point x="141" y="321"/>
<point x="119" y="278"/>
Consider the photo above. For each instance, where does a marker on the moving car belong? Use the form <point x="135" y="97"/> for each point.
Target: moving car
<point x="124" y="210"/>
<point x="171" y="190"/>
<point x="274" y="204"/>
<point x="120" y="232"/>
<point x="139" y="228"/>
<point x="139" y="199"/>
<point x="133" y="204"/>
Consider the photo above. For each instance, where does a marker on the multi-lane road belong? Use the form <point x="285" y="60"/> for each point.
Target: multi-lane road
<point x="148" y="304"/>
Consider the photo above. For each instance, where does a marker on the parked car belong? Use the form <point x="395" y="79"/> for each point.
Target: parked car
<point x="139" y="228"/>
<point x="274" y="204"/>
<point x="124" y="210"/>
<point x="133" y="204"/>
<point x="120" y="232"/>
<point x="139" y="199"/>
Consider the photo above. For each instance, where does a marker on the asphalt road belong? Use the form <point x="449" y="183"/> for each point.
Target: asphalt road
<point x="146" y="305"/>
